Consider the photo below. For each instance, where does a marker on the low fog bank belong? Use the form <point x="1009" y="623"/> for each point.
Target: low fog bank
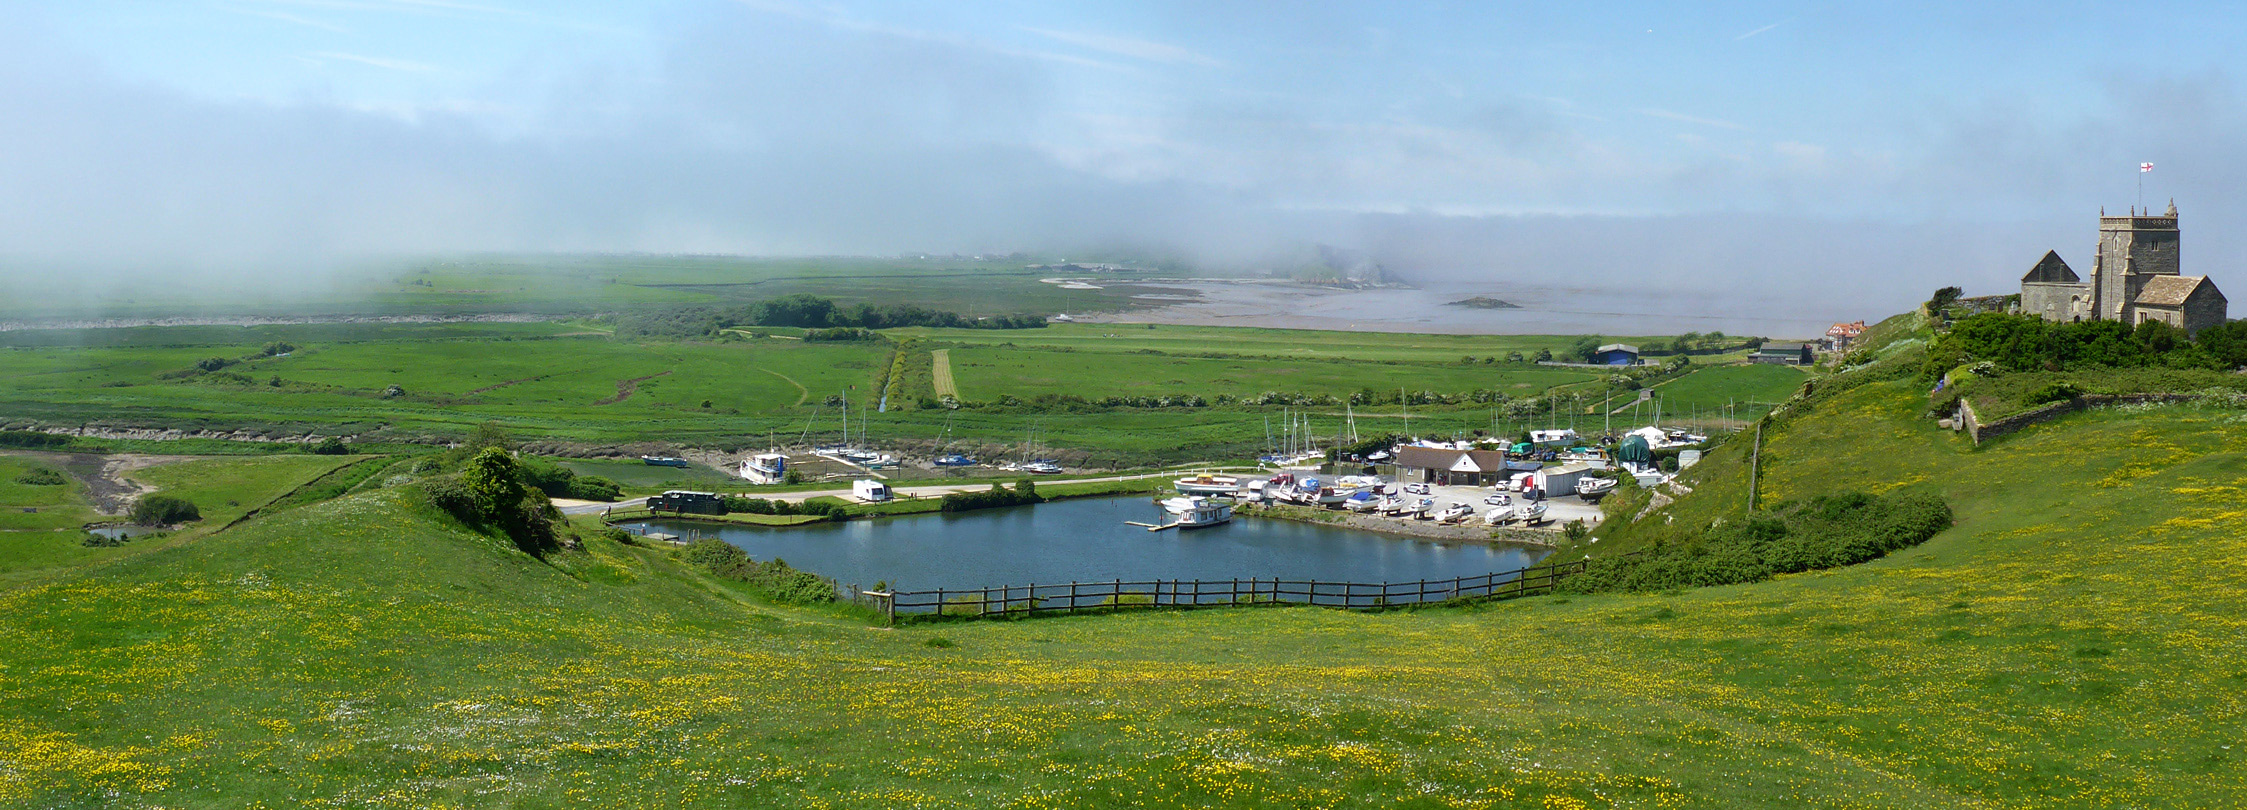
<point x="758" y="134"/>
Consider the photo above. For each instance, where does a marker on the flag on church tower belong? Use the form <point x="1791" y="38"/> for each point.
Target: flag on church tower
<point x="2145" y="167"/>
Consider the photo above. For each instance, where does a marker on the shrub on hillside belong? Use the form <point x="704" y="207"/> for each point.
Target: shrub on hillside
<point x="778" y="581"/>
<point x="164" y="510"/>
<point x="331" y="446"/>
<point x="42" y="477"/>
<point x="1824" y="532"/>
<point x="558" y="481"/>
<point x="490" y="494"/>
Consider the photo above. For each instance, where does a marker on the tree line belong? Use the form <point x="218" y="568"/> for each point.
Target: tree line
<point x="810" y="312"/>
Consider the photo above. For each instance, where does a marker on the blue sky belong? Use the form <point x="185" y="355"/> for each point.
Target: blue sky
<point x="1230" y="131"/>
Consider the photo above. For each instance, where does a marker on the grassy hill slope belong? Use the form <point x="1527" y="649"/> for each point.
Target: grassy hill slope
<point x="2075" y="641"/>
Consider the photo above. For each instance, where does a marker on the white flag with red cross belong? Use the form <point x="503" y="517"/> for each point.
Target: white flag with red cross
<point x="2145" y="167"/>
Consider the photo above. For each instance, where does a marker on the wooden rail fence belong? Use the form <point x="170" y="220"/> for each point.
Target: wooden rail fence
<point x="1073" y="597"/>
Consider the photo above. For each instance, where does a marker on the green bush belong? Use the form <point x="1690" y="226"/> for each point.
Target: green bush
<point x="164" y="510"/>
<point x="490" y="494"/>
<point x="773" y="578"/>
<point x="331" y="446"/>
<point x="2054" y="392"/>
<point x="1024" y="492"/>
<point x="1824" y="532"/>
<point x="31" y="440"/>
<point x="42" y="477"/>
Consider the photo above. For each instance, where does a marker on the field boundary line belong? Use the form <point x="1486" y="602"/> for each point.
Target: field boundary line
<point x="941" y="365"/>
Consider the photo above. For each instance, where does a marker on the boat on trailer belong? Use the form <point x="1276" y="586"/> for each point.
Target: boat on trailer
<point x="1592" y="489"/>
<point x="765" y="468"/>
<point x="1208" y="485"/>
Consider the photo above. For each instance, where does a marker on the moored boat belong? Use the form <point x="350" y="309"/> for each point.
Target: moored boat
<point x="1208" y="485"/>
<point x="1592" y="489"/>
<point x="1530" y="513"/>
<point x="1206" y="513"/>
<point x="955" y="460"/>
<point x="765" y="468"/>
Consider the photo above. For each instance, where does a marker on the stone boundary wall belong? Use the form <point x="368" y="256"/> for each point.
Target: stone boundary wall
<point x="1983" y="431"/>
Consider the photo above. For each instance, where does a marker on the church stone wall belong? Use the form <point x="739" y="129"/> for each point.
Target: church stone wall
<point x="2204" y="309"/>
<point x="2053" y="302"/>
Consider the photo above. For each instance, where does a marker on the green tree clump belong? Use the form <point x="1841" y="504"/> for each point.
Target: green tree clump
<point x="164" y="510"/>
<point x="42" y="477"/>
<point x="773" y="578"/>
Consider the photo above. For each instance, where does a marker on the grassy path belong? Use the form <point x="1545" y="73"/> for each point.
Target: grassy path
<point x="944" y="385"/>
<point x="802" y="393"/>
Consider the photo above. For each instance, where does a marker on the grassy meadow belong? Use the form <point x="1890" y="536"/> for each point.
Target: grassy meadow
<point x="48" y="542"/>
<point x="2074" y="641"/>
<point x="566" y="284"/>
<point x="571" y="381"/>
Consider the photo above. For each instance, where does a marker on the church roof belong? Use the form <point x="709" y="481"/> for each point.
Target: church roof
<point x="2170" y="291"/>
<point x="2050" y="270"/>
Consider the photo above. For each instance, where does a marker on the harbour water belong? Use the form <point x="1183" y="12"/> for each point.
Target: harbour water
<point x="1088" y="540"/>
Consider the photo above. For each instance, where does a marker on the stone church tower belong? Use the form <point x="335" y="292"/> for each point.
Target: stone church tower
<point x="2132" y="250"/>
<point x="2135" y="277"/>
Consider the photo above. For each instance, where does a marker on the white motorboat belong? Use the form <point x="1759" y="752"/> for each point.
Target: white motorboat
<point x="1208" y="485"/>
<point x="1205" y="513"/>
<point x="1392" y="505"/>
<point x="1592" y="489"/>
<point x="1419" y="510"/>
<point x="1042" y="467"/>
<point x="1362" y="501"/>
<point x="1183" y="504"/>
<point x="1457" y="512"/>
<point x="765" y="468"/>
<point x="1530" y="513"/>
<point x="1498" y="516"/>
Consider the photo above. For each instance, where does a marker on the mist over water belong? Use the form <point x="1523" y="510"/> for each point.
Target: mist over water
<point x="298" y="161"/>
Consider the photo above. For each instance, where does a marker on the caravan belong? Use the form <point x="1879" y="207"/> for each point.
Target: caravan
<point x="870" y="490"/>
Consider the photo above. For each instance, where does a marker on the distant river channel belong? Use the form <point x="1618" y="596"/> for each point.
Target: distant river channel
<point x="1087" y="540"/>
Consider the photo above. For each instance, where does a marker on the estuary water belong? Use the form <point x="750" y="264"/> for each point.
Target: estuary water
<point x="1088" y="540"/>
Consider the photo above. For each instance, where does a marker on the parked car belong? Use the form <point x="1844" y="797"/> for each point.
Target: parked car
<point x="1416" y="489"/>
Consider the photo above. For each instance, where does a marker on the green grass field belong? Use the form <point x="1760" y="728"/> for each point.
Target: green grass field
<point x="562" y="382"/>
<point x="2074" y="641"/>
<point x="1746" y="391"/>
<point x="42" y="544"/>
<point x="566" y="284"/>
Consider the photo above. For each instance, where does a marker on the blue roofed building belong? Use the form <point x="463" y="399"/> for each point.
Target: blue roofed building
<point x="1616" y="354"/>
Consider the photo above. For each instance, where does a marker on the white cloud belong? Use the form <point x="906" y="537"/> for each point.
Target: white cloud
<point x="1691" y="119"/>
<point x="375" y="61"/>
<point x="1127" y="46"/>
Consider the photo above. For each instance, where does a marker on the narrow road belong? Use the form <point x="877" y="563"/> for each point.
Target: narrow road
<point x="571" y="507"/>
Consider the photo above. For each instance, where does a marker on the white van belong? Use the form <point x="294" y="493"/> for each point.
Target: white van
<point x="869" y="490"/>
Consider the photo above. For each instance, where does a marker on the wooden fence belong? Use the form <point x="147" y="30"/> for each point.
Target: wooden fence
<point x="1073" y="597"/>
